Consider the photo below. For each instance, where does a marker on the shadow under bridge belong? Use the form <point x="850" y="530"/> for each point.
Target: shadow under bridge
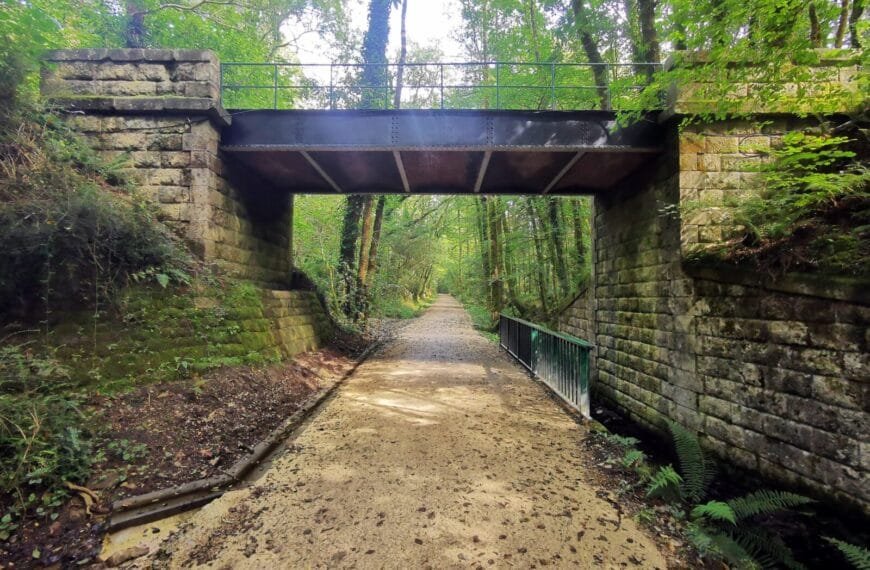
<point x="441" y="151"/>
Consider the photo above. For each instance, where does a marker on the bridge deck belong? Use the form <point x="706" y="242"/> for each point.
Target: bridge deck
<point x="440" y="151"/>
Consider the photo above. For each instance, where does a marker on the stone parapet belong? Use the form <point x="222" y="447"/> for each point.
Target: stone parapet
<point x="132" y="73"/>
<point x="826" y="81"/>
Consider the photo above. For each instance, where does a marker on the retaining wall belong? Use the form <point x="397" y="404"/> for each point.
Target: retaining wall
<point x="773" y="373"/>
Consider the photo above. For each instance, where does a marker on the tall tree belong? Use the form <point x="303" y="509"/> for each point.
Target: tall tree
<point x="648" y="34"/>
<point x="358" y="208"/>
<point x="347" y="251"/>
<point x="539" y="254"/>
<point x="815" y="26"/>
<point x="403" y="53"/>
<point x="376" y="234"/>
<point x="583" y="26"/>
<point x="842" y="24"/>
<point x="579" y="246"/>
<point x="374" y="52"/>
<point x="496" y="268"/>
<point x="558" y="247"/>
<point x="854" y="18"/>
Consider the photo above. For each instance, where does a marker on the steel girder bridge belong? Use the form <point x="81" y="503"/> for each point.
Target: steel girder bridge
<point x="436" y="144"/>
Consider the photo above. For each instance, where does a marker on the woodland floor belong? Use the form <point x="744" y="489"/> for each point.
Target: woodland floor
<point x="438" y="452"/>
<point x="169" y="433"/>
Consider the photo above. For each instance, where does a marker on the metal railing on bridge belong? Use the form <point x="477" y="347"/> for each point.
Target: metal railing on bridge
<point x="561" y="361"/>
<point x="438" y="85"/>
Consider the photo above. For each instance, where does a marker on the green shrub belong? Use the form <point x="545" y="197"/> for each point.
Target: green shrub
<point x="70" y="227"/>
<point x="810" y="209"/>
<point x="41" y="442"/>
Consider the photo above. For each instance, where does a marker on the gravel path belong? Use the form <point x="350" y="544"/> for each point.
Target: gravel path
<point x="439" y="452"/>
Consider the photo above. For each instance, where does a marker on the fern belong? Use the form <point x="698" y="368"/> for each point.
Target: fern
<point x="714" y="510"/>
<point x="858" y="556"/>
<point x="696" y="469"/>
<point x="767" y="549"/>
<point x="720" y="545"/>
<point x="665" y="483"/>
<point x="632" y="458"/>
<point x="765" y="502"/>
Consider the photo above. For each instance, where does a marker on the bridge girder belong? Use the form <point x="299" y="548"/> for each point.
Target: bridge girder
<point x="441" y="151"/>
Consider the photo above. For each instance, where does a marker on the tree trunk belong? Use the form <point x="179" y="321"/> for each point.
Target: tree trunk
<point x="376" y="235"/>
<point x="403" y="51"/>
<point x="365" y="240"/>
<point x="374" y="52"/>
<point x="578" y="234"/>
<point x="134" y="32"/>
<point x="558" y="243"/>
<point x="495" y="256"/>
<point x="347" y="250"/>
<point x="854" y="18"/>
<point x="842" y="24"/>
<point x="509" y="266"/>
<point x="593" y="56"/>
<point x="648" y="34"/>
<point x="633" y="32"/>
<point x="480" y="207"/>
<point x="815" y="28"/>
<point x="539" y="254"/>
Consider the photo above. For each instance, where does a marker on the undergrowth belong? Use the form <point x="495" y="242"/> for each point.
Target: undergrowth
<point x="44" y="439"/>
<point x="72" y="229"/>
<point x="810" y="210"/>
<point x="740" y="531"/>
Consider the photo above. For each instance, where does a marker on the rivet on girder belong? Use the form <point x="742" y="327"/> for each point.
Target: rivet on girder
<point x="394" y="130"/>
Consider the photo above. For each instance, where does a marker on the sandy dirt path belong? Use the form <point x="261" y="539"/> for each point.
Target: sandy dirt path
<point x="438" y="453"/>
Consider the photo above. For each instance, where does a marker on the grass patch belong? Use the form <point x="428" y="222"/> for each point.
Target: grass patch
<point x="402" y="308"/>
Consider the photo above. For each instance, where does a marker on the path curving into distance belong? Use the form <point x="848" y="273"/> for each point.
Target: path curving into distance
<point x="438" y="452"/>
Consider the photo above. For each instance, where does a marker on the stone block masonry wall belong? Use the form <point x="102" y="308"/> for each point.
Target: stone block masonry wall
<point x="775" y="375"/>
<point x="168" y="333"/>
<point x="578" y="318"/>
<point x="720" y="161"/>
<point x="158" y="112"/>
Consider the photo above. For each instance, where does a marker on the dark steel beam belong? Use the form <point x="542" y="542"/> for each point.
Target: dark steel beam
<point x="481" y="174"/>
<point x="563" y="172"/>
<point x="530" y="131"/>
<point x="321" y="172"/>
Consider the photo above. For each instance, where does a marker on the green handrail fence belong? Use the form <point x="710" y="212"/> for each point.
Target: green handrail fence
<point x="435" y="85"/>
<point x="559" y="360"/>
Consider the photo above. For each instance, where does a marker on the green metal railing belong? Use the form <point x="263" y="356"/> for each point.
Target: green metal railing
<point x="438" y="85"/>
<point x="561" y="361"/>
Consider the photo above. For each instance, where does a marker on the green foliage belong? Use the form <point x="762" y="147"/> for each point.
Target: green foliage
<point x="810" y="209"/>
<point x="858" y="556"/>
<point x="716" y="511"/>
<point x="766" y="549"/>
<point x="633" y="458"/>
<point x="697" y="470"/>
<point x="720" y="545"/>
<point x="665" y="483"/>
<point x="766" y="502"/>
<point x="729" y="530"/>
<point x="71" y="228"/>
<point x="41" y="441"/>
<point x="126" y="450"/>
